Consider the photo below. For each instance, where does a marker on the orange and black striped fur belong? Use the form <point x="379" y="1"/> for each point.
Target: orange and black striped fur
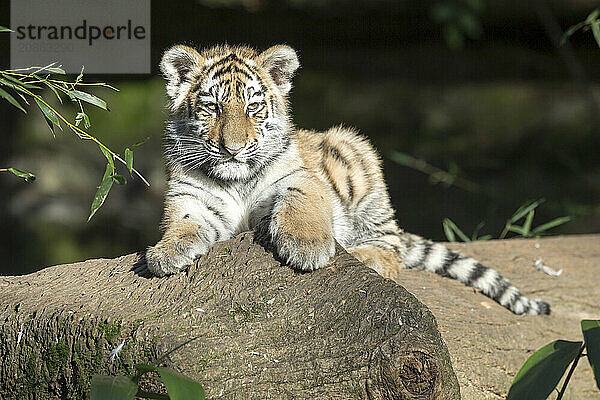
<point x="235" y="162"/>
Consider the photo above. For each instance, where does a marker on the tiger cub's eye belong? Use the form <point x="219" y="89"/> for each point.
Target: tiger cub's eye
<point x="212" y="107"/>
<point x="253" y="106"/>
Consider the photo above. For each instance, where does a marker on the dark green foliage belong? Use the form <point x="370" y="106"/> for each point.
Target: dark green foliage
<point x="22" y="82"/>
<point x="179" y="386"/>
<point x="591" y="335"/>
<point x="542" y="372"/>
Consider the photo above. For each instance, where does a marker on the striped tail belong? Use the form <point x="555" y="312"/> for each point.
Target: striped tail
<point x="423" y="254"/>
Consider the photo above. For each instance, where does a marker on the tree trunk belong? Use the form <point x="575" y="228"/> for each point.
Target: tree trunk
<point x="263" y="330"/>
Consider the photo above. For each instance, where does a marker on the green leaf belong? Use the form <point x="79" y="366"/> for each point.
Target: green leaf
<point x="12" y="82"/>
<point x="593" y="16"/>
<point x="179" y="386"/>
<point x="540" y="374"/>
<point x="525" y="209"/>
<point x="108" y="156"/>
<point x="141" y="142"/>
<point x="143" y="368"/>
<point x="120" y="179"/>
<point x="103" y="189"/>
<point x="129" y="159"/>
<point x="80" y="76"/>
<point x="571" y="31"/>
<point x="448" y="231"/>
<point x="551" y="224"/>
<point x="29" y="177"/>
<point x="88" y="98"/>
<point x="450" y="227"/>
<point x="11" y="100"/>
<point x="49" y="115"/>
<point x="51" y="86"/>
<point x="55" y="70"/>
<point x="517" y="229"/>
<point x="402" y="158"/>
<point x="83" y="117"/>
<point x="476" y="231"/>
<point x="5" y="29"/>
<point x="596" y="31"/>
<point x="591" y="336"/>
<point x="528" y="221"/>
<point x="112" y="388"/>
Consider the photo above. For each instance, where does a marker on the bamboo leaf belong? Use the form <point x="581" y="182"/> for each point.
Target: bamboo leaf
<point x="540" y="374"/>
<point x="141" y="142"/>
<point x="51" y="86"/>
<point x="120" y="179"/>
<point x="528" y="221"/>
<point x="88" y="98"/>
<point x="103" y="189"/>
<point x="572" y="29"/>
<point x="112" y="388"/>
<point x="50" y="115"/>
<point x="143" y="368"/>
<point x="524" y="210"/>
<point x="476" y="231"/>
<point x="83" y="117"/>
<point x="80" y="76"/>
<point x="16" y="84"/>
<point x="452" y="226"/>
<point x="551" y="224"/>
<point x="596" y="31"/>
<point x="448" y="231"/>
<point x="108" y="156"/>
<point x="593" y="16"/>
<point x="28" y="176"/>
<point x="403" y="158"/>
<point x="55" y="70"/>
<point x="5" y="29"/>
<point x="517" y="229"/>
<point x="129" y="159"/>
<point x="11" y="100"/>
<point x="179" y="386"/>
<point x="591" y="336"/>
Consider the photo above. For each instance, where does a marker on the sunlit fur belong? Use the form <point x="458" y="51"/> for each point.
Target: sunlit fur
<point x="235" y="162"/>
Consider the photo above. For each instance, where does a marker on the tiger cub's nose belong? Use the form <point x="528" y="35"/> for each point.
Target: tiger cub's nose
<point x="233" y="149"/>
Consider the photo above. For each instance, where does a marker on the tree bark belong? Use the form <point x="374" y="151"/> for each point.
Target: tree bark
<point x="263" y="330"/>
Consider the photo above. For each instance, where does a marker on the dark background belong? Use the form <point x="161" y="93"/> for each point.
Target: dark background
<point x="474" y="87"/>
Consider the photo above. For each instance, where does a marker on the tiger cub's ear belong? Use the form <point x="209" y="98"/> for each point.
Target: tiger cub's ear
<point x="281" y="62"/>
<point x="176" y="65"/>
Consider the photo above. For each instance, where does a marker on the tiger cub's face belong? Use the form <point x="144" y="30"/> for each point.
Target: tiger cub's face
<point x="228" y="108"/>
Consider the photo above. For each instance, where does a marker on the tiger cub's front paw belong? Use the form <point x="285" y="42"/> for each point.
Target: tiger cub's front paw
<point x="171" y="255"/>
<point x="304" y="255"/>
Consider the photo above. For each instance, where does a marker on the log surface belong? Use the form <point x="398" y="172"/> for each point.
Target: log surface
<point x="263" y="331"/>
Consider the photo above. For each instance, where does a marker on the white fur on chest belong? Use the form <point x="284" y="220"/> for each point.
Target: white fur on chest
<point x="241" y="203"/>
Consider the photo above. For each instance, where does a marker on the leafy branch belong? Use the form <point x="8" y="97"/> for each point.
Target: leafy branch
<point x="179" y="386"/>
<point x="541" y="373"/>
<point x="591" y="22"/>
<point x="25" y="83"/>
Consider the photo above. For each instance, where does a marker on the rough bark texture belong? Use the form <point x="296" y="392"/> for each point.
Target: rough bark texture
<point x="264" y="331"/>
<point x="488" y="344"/>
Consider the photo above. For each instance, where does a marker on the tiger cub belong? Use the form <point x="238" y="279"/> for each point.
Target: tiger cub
<point x="235" y="162"/>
